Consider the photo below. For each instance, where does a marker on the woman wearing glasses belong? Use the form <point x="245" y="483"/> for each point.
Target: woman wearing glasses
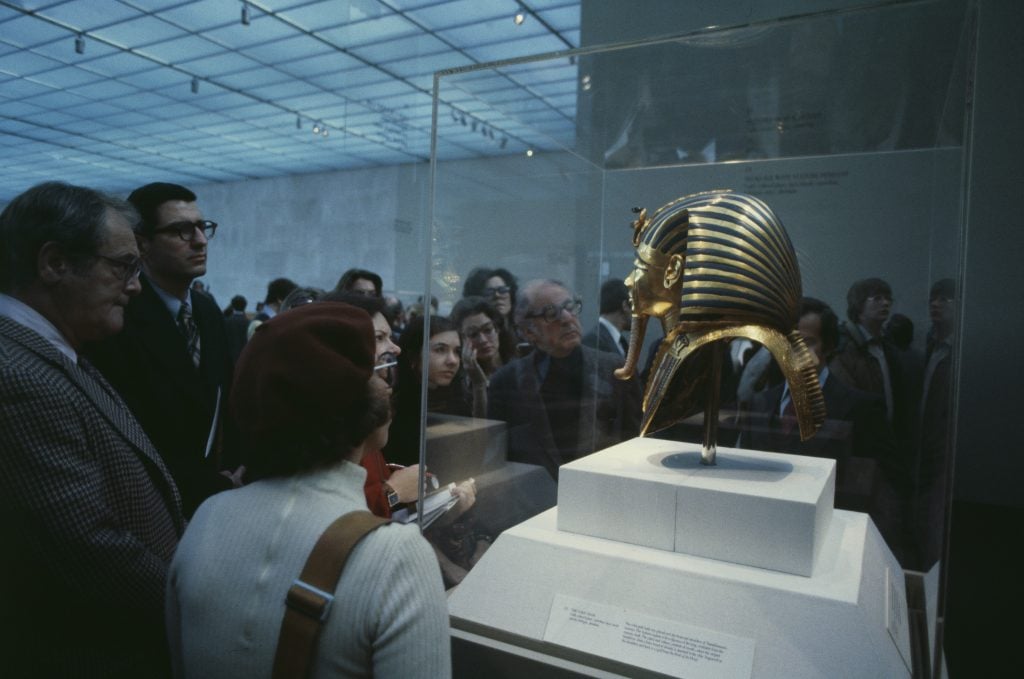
<point x="499" y="287"/>
<point x="483" y="349"/>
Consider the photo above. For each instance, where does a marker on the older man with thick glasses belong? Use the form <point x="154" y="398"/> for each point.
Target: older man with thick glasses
<point x="171" y="363"/>
<point x="561" y="401"/>
<point x="91" y="516"/>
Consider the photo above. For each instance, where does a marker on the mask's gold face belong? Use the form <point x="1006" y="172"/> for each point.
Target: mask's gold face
<point x="648" y="295"/>
<point x="653" y="288"/>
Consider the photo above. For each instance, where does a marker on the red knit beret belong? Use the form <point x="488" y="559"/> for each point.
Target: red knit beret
<point x="303" y="367"/>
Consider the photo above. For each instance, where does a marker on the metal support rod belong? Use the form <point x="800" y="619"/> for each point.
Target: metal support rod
<point x="709" y="449"/>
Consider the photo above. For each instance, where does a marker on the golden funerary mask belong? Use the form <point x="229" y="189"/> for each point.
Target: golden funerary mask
<point x="714" y="266"/>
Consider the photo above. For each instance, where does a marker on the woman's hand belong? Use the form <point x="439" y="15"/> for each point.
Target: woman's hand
<point x="476" y="374"/>
<point x="466" y="492"/>
<point x="403" y="482"/>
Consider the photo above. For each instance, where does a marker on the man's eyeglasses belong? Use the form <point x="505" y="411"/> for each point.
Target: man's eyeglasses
<point x="494" y="292"/>
<point x="880" y="298"/>
<point x="472" y="333"/>
<point x="551" y="312"/>
<point x="187" y="230"/>
<point x="124" y="269"/>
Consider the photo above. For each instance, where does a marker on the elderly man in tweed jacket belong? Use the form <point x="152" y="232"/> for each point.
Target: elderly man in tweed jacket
<point x="91" y="516"/>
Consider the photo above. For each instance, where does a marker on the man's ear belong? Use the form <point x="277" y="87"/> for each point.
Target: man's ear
<point x="52" y="264"/>
<point x="674" y="270"/>
<point x="526" y="330"/>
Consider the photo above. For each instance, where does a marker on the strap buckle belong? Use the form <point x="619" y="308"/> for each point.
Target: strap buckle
<point x="308" y="600"/>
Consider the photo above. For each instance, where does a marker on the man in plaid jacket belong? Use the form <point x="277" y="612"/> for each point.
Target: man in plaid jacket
<point x="90" y="514"/>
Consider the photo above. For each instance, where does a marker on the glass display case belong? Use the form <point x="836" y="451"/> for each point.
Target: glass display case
<point x="851" y="125"/>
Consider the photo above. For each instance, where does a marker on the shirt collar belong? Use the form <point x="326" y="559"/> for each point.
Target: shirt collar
<point x="610" y="327"/>
<point x="822" y="376"/>
<point x="172" y="303"/>
<point x="22" y="313"/>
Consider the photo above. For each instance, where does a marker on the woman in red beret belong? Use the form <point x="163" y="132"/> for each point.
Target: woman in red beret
<point x="309" y="405"/>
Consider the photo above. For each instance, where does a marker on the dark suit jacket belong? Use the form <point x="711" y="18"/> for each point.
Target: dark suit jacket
<point x="609" y="410"/>
<point x="236" y="328"/>
<point x="599" y="338"/>
<point x="149" y="365"/>
<point x="91" y="519"/>
<point x="855" y="434"/>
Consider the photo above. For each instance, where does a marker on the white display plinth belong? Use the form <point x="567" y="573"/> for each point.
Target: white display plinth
<point x="848" y="619"/>
<point x="759" y="509"/>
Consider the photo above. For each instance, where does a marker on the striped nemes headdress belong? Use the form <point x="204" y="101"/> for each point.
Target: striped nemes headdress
<point x="740" y="278"/>
<point x="740" y="266"/>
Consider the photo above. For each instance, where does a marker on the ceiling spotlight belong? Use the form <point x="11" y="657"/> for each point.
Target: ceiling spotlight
<point x="529" y="153"/>
<point x="324" y="132"/>
<point x="585" y="81"/>
<point x="195" y="85"/>
<point x="245" y="13"/>
<point x="298" y="122"/>
<point x="455" y="116"/>
<point x="519" y="18"/>
<point x="79" y="44"/>
<point x="473" y="126"/>
<point x="483" y="131"/>
<point x="316" y="128"/>
<point x="504" y="142"/>
<point x="462" y="119"/>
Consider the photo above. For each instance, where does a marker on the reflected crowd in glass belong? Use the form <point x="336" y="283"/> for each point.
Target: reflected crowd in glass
<point x="512" y="396"/>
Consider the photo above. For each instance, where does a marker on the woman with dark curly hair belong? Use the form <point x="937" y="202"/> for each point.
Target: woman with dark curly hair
<point x="479" y="323"/>
<point x="497" y="285"/>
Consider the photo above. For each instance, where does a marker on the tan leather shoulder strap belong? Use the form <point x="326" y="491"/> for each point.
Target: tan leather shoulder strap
<point x="310" y="597"/>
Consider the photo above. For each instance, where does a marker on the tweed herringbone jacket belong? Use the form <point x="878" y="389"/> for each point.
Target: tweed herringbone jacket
<point x="90" y="517"/>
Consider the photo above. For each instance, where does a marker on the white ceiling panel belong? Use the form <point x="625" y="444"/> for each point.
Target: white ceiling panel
<point x="124" y="108"/>
<point x="204" y="15"/>
<point x="370" y="31"/>
<point x="139" y="31"/>
<point x="87" y="15"/>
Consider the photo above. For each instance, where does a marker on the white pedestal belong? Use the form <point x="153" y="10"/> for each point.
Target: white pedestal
<point x="759" y="509"/>
<point x="652" y="565"/>
<point x="847" y="619"/>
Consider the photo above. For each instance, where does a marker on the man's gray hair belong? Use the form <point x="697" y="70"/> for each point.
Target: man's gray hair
<point x="73" y="217"/>
<point x="524" y="298"/>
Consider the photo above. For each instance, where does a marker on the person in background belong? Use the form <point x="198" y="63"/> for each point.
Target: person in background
<point x="445" y="387"/>
<point x="478" y="322"/>
<point x="866" y="360"/>
<point x="855" y="434"/>
<point x="236" y="325"/>
<point x="171" y="362"/>
<point x="360" y="282"/>
<point x="500" y="287"/>
<point x="277" y="290"/>
<point x="561" y="402"/>
<point x="933" y="444"/>
<point x="90" y="513"/>
<point x="388" y="486"/>
<point x="614" y="321"/>
<point x="301" y="295"/>
<point x="395" y="313"/>
<point x="309" y="405"/>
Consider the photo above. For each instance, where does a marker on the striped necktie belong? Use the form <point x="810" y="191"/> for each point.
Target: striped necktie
<point x="188" y="328"/>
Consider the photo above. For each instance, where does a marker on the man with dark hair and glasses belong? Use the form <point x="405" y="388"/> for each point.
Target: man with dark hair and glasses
<point x="561" y="401"/>
<point x="89" y="512"/>
<point x="172" y="363"/>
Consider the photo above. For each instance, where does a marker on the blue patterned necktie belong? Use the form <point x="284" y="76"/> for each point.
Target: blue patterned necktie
<point x="188" y="328"/>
